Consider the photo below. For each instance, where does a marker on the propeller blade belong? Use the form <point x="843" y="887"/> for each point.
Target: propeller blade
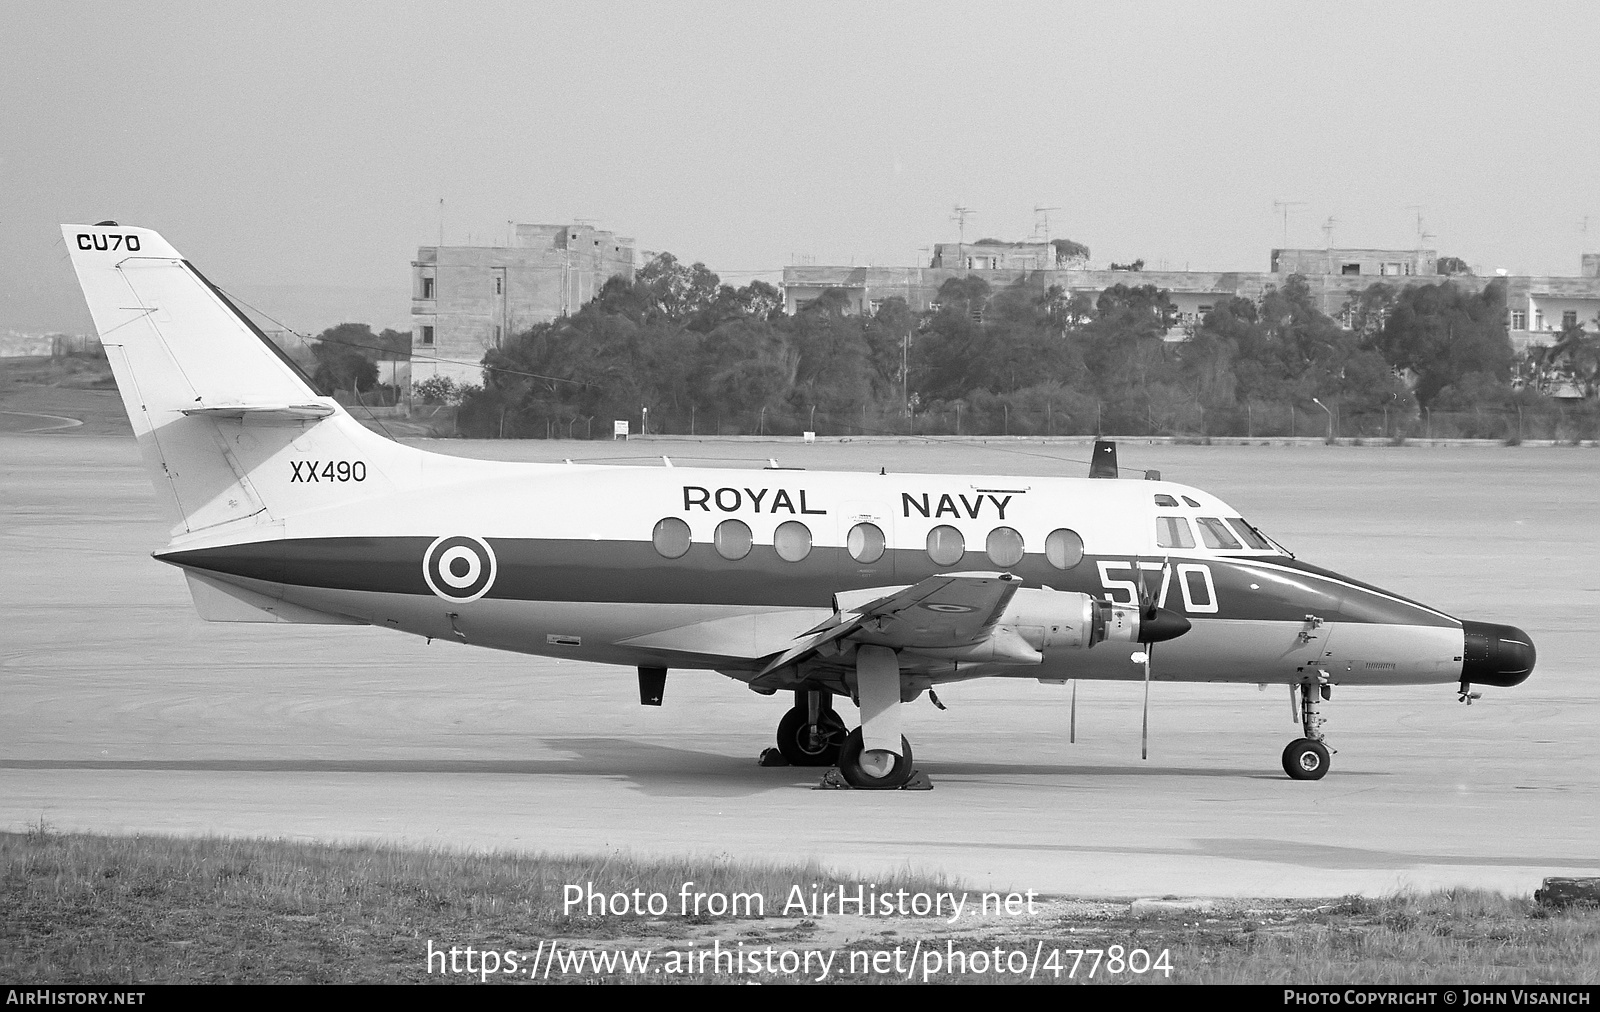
<point x="1072" y="732"/>
<point x="1144" y="733"/>
<point x="1156" y="623"/>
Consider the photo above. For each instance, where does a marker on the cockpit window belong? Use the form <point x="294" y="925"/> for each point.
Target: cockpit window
<point x="1191" y="502"/>
<point x="1173" y="532"/>
<point x="1162" y="499"/>
<point x="1251" y="536"/>
<point x="1214" y="534"/>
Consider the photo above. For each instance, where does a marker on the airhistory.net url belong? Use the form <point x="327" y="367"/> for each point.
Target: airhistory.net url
<point x="924" y="964"/>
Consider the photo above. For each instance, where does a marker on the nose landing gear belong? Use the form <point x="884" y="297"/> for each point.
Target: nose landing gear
<point x="1305" y="759"/>
<point x="1308" y="758"/>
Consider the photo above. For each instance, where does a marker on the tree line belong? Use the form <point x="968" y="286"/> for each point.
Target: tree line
<point x="677" y="350"/>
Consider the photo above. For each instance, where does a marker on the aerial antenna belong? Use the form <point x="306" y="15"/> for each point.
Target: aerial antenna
<point x="1420" y="234"/>
<point x="960" y="218"/>
<point x="1041" y="217"/>
<point x="1284" y="206"/>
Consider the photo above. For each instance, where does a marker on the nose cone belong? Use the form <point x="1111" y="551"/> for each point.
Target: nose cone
<point x="1496" y="654"/>
<point x="1159" y="624"/>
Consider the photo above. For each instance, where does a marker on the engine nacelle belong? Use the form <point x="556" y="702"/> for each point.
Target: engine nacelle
<point x="1049" y="619"/>
<point x="1037" y="620"/>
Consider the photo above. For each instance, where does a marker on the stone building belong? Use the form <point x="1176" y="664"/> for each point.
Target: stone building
<point x="866" y="288"/>
<point x="990" y="255"/>
<point x="1540" y="306"/>
<point x="1356" y="262"/>
<point x="468" y="299"/>
<point x="1537" y="306"/>
<point x="995" y="255"/>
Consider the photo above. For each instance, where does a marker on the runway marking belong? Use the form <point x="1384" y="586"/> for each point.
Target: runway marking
<point x="64" y="423"/>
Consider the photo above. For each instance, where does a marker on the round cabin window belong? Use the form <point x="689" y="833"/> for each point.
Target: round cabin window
<point x="866" y="543"/>
<point x="946" y="545"/>
<point x="1063" y="548"/>
<point x="732" y="539"/>
<point x="792" y="540"/>
<point x="1004" y="547"/>
<point x="671" y="538"/>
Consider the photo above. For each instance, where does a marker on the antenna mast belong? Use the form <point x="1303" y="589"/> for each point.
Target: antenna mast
<point x="960" y="218"/>
<point x="1284" y="206"/>
<point x="1041" y="216"/>
<point x="1421" y="235"/>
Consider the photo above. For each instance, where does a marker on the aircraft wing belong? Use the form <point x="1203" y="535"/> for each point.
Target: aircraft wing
<point x="949" y="610"/>
<point x="952" y="610"/>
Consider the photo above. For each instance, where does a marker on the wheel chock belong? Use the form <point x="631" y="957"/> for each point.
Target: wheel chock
<point x="833" y="780"/>
<point x="771" y="757"/>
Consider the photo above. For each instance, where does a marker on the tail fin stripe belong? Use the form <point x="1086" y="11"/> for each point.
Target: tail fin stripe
<point x="251" y="324"/>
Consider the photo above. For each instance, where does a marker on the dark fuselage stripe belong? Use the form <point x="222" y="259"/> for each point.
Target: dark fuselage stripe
<point x="532" y="569"/>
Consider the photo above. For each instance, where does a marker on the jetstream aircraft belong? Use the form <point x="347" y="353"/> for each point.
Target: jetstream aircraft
<point x="873" y="586"/>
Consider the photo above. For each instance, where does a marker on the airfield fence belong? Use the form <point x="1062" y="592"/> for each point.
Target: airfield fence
<point x="1550" y="420"/>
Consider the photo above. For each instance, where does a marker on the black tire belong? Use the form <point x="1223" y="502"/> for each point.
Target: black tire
<point x="1305" y="759"/>
<point x="794" y="738"/>
<point x="861" y="777"/>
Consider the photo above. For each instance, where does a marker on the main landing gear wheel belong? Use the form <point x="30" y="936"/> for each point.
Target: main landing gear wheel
<point x="1305" y="759"/>
<point x="806" y="745"/>
<point x="874" y="769"/>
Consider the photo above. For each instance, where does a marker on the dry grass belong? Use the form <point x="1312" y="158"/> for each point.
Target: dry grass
<point x="90" y="909"/>
<point x="1455" y="937"/>
<point x="95" y="909"/>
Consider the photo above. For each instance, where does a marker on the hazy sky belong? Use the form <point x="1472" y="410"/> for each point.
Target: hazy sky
<point x="293" y="144"/>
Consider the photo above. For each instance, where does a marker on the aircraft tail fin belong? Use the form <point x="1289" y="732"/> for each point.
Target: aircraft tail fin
<point x="1104" y="462"/>
<point x="227" y="424"/>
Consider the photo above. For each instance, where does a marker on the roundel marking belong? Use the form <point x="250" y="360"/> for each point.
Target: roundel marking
<point x="949" y="609"/>
<point x="459" y="568"/>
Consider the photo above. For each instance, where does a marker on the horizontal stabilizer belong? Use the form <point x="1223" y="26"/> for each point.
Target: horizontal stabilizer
<point x="267" y="413"/>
